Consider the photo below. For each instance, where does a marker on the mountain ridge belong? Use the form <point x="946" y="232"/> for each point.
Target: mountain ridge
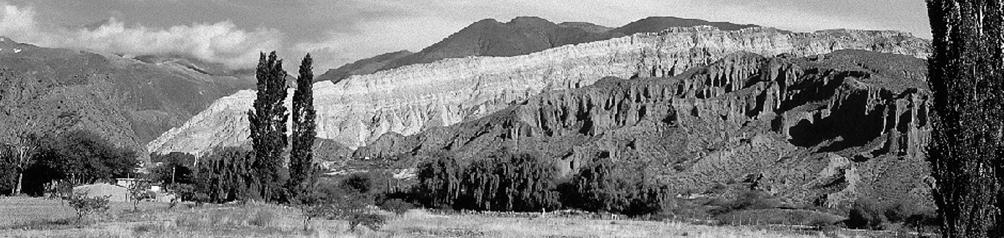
<point x="521" y="35"/>
<point x="412" y="98"/>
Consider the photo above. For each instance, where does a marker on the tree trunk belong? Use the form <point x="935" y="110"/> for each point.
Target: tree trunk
<point x="20" y="177"/>
<point x="967" y="143"/>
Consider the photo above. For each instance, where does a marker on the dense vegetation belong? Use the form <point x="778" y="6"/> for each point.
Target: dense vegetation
<point x="528" y="183"/>
<point x="967" y="146"/>
<point x="73" y="157"/>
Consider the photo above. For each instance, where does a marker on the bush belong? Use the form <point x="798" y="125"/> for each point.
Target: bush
<point x="372" y="221"/>
<point x="342" y="200"/>
<point x="397" y="206"/>
<point x="865" y="214"/>
<point x="85" y="206"/>
<point x="361" y="183"/>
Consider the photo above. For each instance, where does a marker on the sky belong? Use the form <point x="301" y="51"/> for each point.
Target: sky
<point x="335" y="32"/>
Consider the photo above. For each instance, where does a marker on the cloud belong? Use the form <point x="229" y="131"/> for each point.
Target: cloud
<point x="341" y="31"/>
<point x="222" y="42"/>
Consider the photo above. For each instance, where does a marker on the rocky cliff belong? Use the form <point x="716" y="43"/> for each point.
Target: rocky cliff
<point x="414" y="98"/>
<point x="813" y="131"/>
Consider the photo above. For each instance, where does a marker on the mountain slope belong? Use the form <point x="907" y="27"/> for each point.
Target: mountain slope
<point x="657" y="24"/>
<point x="361" y="67"/>
<point x="520" y="36"/>
<point x="410" y="99"/>
<point x="126" y="100"/>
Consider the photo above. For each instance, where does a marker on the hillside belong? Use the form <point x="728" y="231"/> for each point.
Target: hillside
<point x="361" y="67"/>
<point x="812" y="131"/>
<point x="414" y="98"/>
<point x="129" y="101"/>
<point x="520" y="36"/>
<point x="657" y="24"/>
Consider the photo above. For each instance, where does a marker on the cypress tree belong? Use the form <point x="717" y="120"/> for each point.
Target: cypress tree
<point x="268" y="126"/>
<point x="301" y="155"/>
<point x="967" y="80"/>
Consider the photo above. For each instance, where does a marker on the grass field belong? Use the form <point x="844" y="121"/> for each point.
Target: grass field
<point x="36" y="217"/>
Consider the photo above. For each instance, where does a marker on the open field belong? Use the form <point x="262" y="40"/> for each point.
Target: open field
<point x="36" y="217"/>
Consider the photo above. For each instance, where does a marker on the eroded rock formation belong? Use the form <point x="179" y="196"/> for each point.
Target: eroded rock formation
<point x="814" y="131"/>
<point x="415" y="98"/>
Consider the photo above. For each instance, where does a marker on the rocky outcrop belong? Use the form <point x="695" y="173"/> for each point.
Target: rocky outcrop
<point x="415" y="98"/>
<point x="819" y="130"/>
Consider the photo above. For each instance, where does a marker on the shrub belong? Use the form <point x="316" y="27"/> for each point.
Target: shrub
<point x="372" y="221"/>
<point x="137" y="192"/>
<point x="329" y="200"/>
<point x="361" y="183"/>
<point x="85" y="206"/>
<point x="397" y="206"/>
<point x="865" y="215"/>
<point x="753" y="199"/>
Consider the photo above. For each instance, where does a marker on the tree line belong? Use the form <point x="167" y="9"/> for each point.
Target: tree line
<point x="72" y="157"/>
<point x="527" y="183"/>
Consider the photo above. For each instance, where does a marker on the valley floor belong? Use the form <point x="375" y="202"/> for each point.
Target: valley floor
<point x="37" y="217"/>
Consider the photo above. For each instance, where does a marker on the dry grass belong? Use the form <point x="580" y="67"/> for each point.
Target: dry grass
<point x="22" y="212"/>
<point x="262" y="220"/>
<point x="418" y="223"/>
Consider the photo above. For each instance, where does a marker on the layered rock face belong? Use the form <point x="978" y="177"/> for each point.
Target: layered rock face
<point x="814" y="131"/>
<point x="414" y="98"/>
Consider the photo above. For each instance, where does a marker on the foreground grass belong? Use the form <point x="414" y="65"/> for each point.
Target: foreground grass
<point x="34" y="217"/>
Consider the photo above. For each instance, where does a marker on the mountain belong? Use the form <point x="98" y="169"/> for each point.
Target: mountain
<point x="657" y="24"/>
<point x="817" y="131"/>
<point x="520" y="36"/>
<point x="585" y="26"/>
<point x="415" y="98"/>
<point x="361" y="67"/>
<point x="130" y="101"/>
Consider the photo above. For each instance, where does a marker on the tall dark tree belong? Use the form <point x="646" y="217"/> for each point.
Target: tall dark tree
<point x="268" y="127"/>
<point x="301" y="155"/>
<point x="440" y="182"/>
<point x="967" y="146"/>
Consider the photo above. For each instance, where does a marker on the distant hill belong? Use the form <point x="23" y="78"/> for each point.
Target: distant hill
<point x="363" y="66"/>
<point x="656" y="24"/>
<point x="588" y="27"/>
<point x="520" y="36"/>
<point x="130" y="101"/>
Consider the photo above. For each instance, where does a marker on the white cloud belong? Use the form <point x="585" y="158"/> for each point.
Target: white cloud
<point x="221" y="42"/>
